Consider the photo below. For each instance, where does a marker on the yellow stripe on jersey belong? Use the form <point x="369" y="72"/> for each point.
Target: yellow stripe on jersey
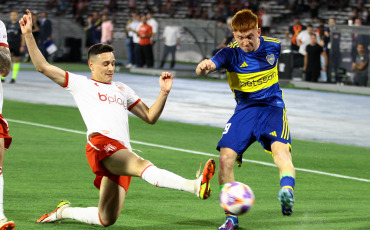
<point x="252" y="82"/>
<point x="233" y="44"/>
<point x="269" y="39"/>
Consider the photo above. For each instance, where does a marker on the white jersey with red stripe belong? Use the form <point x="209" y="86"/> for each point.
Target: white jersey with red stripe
<point x="3" y="42"/>
<point x="104" y="106"/>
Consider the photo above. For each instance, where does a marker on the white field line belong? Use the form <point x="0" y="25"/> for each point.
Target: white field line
<point x="190" y="151"/>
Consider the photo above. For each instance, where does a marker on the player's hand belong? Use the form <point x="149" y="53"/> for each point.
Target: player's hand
<point x="26" y="23"/>
<point x="21" y="49"/>
<point x="165" y="82"/>
<point x="206" y="64"/>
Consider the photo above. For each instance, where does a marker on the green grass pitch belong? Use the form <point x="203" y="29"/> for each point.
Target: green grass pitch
<point x="44" y="166"/>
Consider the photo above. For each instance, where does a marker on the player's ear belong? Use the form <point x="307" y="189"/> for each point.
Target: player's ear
<point x="91" y="65"/>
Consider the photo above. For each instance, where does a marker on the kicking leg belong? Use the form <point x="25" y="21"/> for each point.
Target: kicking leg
<point x="226" y="175"/>
<point x="124" y="162"/>
<point x="283" y="160"/>
<point x="111" y="201"/>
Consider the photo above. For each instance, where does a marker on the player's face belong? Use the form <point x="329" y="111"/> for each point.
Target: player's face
<point x="102" y="67"/>
<point x="248" y="40"/>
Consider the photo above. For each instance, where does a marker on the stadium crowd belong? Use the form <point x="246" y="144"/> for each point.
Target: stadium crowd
<point x="99" y="25"/>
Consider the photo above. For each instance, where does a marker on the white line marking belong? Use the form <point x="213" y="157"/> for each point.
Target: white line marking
<point x="190" y="151"/>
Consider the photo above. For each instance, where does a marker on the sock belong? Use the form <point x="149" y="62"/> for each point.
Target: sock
<point x="88" y="215"/>
<point x="2" y="216"/>
<point x="15" y="70"/>
<point x="166" y="179"/>
<point x="287" y="181"/>
<point x="227" y="214"/>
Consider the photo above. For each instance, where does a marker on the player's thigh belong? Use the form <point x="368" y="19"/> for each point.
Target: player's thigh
<point x="126" y="163"/>
<point x="111" y="201"/>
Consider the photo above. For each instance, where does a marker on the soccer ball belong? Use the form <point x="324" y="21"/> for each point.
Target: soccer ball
<point x="236" y="198"/>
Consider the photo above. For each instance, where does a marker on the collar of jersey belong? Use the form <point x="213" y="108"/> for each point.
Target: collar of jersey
<point x="102" y="82"/>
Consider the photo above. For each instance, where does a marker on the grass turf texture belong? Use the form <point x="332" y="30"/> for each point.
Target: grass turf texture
<point x="44" y="166"/>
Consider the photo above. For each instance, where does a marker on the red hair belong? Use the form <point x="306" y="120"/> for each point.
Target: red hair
<point x="244" y="20"/>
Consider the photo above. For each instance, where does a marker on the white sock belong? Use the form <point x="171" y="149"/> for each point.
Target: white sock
<point x="2" y="216"/>
<point x="88" y="215"/>
<point x="166" y="179"/>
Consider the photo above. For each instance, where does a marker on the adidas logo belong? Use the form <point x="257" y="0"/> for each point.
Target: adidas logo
<point x="273" y="134"/>
<point x="244" y="65"/>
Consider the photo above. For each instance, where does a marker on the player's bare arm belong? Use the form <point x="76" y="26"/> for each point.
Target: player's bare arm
<point x="5" y="61"/>
<point x="152" y="114"/>
<point x="205" y="67"/>
<point x="54" y="73"/>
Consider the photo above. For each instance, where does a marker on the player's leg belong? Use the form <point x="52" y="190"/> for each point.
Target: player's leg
<point x="15" y="68"/>
<point x="226" y="175"/>
<point x="3" y="220"/>
<point x="124" y="162"/>
<point x="283" y="160"/>
<point x="111" y="200"/>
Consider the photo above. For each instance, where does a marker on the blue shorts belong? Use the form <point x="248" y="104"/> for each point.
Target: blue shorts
<point x="265" y="124"/>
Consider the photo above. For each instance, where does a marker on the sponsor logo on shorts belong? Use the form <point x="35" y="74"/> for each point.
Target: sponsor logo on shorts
<point x="109" y="148"/>
<point x="112" y="99"/>
<point x="262" y="80"/>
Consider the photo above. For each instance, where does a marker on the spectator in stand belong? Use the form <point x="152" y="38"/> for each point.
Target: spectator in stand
<point x="107" y="29"/>
<point x="145" y="52"/>
<point x="229" y="36"/>
<point x="312" y="59"/>
<point x="171" y="41"/>
<point x="266" y="22"/>
<point x="360" y="66"/>
<point x="96" y="27"/>
<point x="359" y="38"/>
<point x="314" y="9"/>
<point x="131" y="4"/>
<point x="335" y="56"/>
<point x="303" y="39"/>
<point x="131" y="29"/>
<point x="88" y="32"/>
<point x="46" y="30"/>
<point x="63" y="6"/>
<point x="293" y="32"/>
<point x="154" y="24"/>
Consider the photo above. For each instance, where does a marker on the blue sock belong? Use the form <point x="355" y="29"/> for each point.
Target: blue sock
<point x="287" y="181"/>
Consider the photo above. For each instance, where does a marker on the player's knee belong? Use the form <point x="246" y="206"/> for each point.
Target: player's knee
<point x="282" y="156"/>
<point x="225" y="161"/>
<point x="108" y="221"/>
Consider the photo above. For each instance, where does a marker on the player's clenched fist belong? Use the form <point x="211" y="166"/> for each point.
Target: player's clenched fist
<point x="204" y="67"/>
<point x="26" y="23"/>
<point x="165" y="81"/>
<point x="207" y="64"/>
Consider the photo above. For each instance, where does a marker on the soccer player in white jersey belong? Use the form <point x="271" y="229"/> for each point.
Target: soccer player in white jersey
<point x="104" y="106"/>
<point x="5" y="139"/>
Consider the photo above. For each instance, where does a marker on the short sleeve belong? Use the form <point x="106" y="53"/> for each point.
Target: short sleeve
<point x="74" y="81"/>
<point x="3" y="35"/>
<point x="132" y="98"/>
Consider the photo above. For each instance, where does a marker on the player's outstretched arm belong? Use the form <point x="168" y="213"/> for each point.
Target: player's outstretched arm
<point x="54" y="73"/>
<point x="152" y="114"/>
<point x="5" y="61"/>
<point x="204" y="67"/>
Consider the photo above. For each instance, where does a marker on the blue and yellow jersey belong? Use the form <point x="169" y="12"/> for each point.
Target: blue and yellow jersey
<point x="252" y="76"/>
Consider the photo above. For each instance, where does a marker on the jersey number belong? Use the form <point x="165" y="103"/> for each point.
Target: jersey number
<point x="227" y="127"/>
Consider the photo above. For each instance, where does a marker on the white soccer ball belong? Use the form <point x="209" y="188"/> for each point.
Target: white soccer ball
<point x="236" y="198"/>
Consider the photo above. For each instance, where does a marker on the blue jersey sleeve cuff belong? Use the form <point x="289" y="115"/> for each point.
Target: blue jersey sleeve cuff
<point x="216" y="63"/>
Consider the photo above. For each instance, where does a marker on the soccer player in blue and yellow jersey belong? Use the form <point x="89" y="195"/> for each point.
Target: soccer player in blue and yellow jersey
<point x="251" y="65"/>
